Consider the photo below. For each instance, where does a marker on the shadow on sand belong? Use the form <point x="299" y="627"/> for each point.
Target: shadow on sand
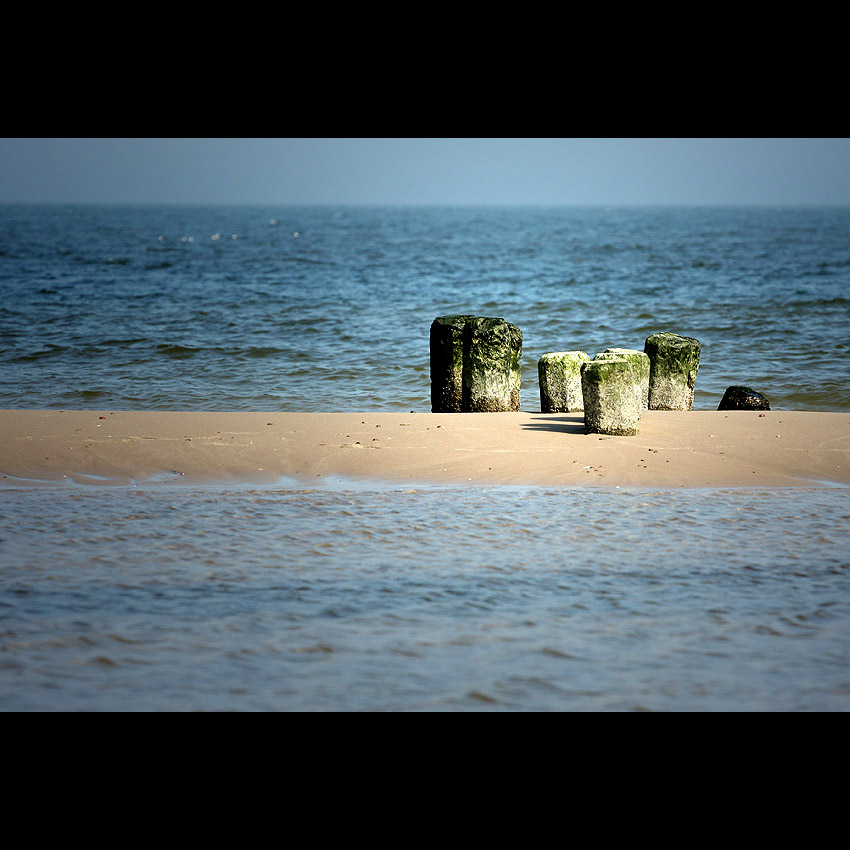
<point x="561" y="424"/>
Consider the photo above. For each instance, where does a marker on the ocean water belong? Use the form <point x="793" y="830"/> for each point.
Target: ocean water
<point x="424" y="599"/>
<point x="368" y="597"/>
<point x="242" y="308"/>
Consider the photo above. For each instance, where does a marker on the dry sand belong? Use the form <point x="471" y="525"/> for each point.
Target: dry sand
<point x="672" y="449"/>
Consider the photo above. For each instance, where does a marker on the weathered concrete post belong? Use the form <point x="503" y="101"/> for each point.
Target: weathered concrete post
<point x="447" y="363"/>
<point x="475" y="364"/>
<point x="640" y="361"/>
<point x="611" y="395"/>
<point x="492" y="349"/>
<point x="673" y="366"/>
<point x="559" y="376"/>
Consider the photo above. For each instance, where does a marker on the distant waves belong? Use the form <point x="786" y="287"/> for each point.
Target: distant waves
<point x="322" y="308"/>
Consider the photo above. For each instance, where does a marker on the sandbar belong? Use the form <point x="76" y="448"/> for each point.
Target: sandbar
<point x="672" y="449"/>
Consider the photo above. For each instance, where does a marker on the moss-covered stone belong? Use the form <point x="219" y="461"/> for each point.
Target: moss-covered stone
<point x="640" y="362"/>
<point x="492" y="349"/>
<point x="559" y="377"/>
<point x="673" y="367"/>
<point x="447" y="363"/>
<point x="475" y="364"/>
<point x="610" y="390"/>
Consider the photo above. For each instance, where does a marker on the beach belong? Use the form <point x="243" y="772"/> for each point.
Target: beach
<point x="260" y="561"/>
<point x="695" y="448"/>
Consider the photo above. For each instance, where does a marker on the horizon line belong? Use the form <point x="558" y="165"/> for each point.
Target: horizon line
<point x="434" y="204"/>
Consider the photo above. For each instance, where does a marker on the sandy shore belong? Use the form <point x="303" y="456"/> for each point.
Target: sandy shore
<point x="673" y="449"/>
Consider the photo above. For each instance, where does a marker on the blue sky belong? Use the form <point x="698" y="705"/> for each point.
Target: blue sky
<point x="271" y="171"/>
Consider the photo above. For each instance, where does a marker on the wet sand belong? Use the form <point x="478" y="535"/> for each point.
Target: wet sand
<point x="672" y="449"/>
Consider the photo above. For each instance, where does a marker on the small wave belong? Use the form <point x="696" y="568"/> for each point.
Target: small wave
<point x="312" y="261"/>
<point x="178" y="351"/>
<point x="51" y="351"/>
<point x="118" y="342"/>
<point x="480" y="696"/>
<point x="257" y="351"/>
<point x="83" y="394"/>
<point x="814" y="301"/>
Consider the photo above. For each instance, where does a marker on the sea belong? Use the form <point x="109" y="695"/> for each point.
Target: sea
<point x="363" y="596"/>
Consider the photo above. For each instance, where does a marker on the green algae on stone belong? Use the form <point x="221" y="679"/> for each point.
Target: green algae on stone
<point x="475" y="364"/>
<point x="673" y="367"/>
<point x="492" y="349"/>
<point x="640" y="362"/>
<point x="611" y="397"/>
<point x="559" y="376"/>
<point x="447" y="363"/>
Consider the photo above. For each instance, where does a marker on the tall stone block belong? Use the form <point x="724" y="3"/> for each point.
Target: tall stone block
<point x="559" y="377"/>
<point x="640" y="362"/>
<point x="475" y="364"/>
<point x="610" y="390"/>
<point x="673" y="367"/>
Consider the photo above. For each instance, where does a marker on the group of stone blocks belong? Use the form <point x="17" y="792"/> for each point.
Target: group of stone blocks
<point x="475" y="367"/>
<point x="616" y="386"/>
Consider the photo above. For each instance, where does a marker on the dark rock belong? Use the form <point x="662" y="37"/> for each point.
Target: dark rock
<point x="743" y="398"/>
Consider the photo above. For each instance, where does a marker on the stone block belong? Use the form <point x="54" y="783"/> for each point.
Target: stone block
<point x="475" y="364"/>
<point x="559" y="377"/>
<point x="610" y="389"/>
<point x="640" y="362"/>
<point x="673" y="367"/>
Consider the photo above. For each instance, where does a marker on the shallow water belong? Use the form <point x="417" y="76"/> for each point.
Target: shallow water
<point x="381" y="598"/>
<point x="322" y="308"/>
